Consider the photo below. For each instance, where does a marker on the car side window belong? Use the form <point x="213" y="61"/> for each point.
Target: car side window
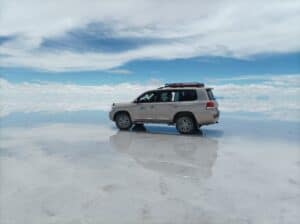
<point x="185" y="95"/>
<point x="164" y="96"/>
<point x="148" y="97"/>
<point x="210" y="94"/>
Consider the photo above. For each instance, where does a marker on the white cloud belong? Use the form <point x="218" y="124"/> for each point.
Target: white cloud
<point x="277" y="97"/>
<point x="193" y="28"/>
<point x="54" y="97"/>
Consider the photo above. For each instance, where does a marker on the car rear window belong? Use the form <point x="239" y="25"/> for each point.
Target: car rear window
<point x="185" y="95"/>
<point x="210" y="94"/>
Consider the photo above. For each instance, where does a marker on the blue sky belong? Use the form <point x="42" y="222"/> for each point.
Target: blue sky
<point x="194" y="69"/>
<point x="118" y="41"/>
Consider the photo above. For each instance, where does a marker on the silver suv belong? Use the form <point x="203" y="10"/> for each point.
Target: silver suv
<point x="187" y="105"/>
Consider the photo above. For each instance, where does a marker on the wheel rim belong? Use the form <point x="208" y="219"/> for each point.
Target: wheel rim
<point x="123" y="121"/>
<point x="185" y="125"/>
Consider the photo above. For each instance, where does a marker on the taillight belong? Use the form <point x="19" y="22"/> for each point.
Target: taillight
<point x="210" y="104"/>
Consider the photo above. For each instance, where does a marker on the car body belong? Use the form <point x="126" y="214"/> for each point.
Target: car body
<point x="168" y="104"/>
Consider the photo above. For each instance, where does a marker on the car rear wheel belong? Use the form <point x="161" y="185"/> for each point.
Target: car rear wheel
<point x="123" y="121"/>
<point x="185" y="125"/>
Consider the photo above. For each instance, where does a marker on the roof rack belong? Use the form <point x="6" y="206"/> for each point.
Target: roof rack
<point x="183" y="84"/>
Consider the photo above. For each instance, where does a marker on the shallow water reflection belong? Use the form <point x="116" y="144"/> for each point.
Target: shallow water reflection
<point x="62" y="171"/>
<point x="187" y="156"/>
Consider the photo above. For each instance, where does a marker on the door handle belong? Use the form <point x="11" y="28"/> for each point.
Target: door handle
<point x="151" y="106"/>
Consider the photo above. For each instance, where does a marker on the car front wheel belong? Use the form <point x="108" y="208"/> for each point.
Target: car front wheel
<point x="185" y="125"/>
<point x="123" y="121"/>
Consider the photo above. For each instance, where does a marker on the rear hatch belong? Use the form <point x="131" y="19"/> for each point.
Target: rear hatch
<point x="211" y="97"/>
<point x="212" y="102"/>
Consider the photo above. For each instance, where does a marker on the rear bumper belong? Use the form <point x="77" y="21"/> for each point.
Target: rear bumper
<point x="111" y="115"/>
<point x="216" y="114"/>
<point x="209" y="116"/>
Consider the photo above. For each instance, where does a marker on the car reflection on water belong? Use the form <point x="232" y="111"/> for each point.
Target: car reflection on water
<point x="185" y="156"/>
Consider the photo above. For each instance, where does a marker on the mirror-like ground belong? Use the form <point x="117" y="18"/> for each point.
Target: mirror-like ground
<point x="78" y="168"/>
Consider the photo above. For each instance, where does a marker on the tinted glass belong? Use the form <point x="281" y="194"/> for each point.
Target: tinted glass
<point x="185" y="95"/>
<point x="210" y="94"/>
<point x="164" y="96"/>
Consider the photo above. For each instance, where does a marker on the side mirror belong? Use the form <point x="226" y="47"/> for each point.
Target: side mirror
<point x="135" y="101"/>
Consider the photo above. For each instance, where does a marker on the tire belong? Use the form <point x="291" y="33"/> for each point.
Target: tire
<point x="123" y="121"/>
<point x="185" y="125"/>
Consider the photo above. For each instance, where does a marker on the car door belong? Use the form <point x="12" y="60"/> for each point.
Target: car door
<point x="144" y="109"/>
<point x="162" y="108"/>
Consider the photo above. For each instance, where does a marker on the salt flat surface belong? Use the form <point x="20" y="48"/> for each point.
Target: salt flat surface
<point x="54" y="170"/>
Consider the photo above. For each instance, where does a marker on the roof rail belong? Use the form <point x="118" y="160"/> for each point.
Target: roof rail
<point x="184" y="84"/>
